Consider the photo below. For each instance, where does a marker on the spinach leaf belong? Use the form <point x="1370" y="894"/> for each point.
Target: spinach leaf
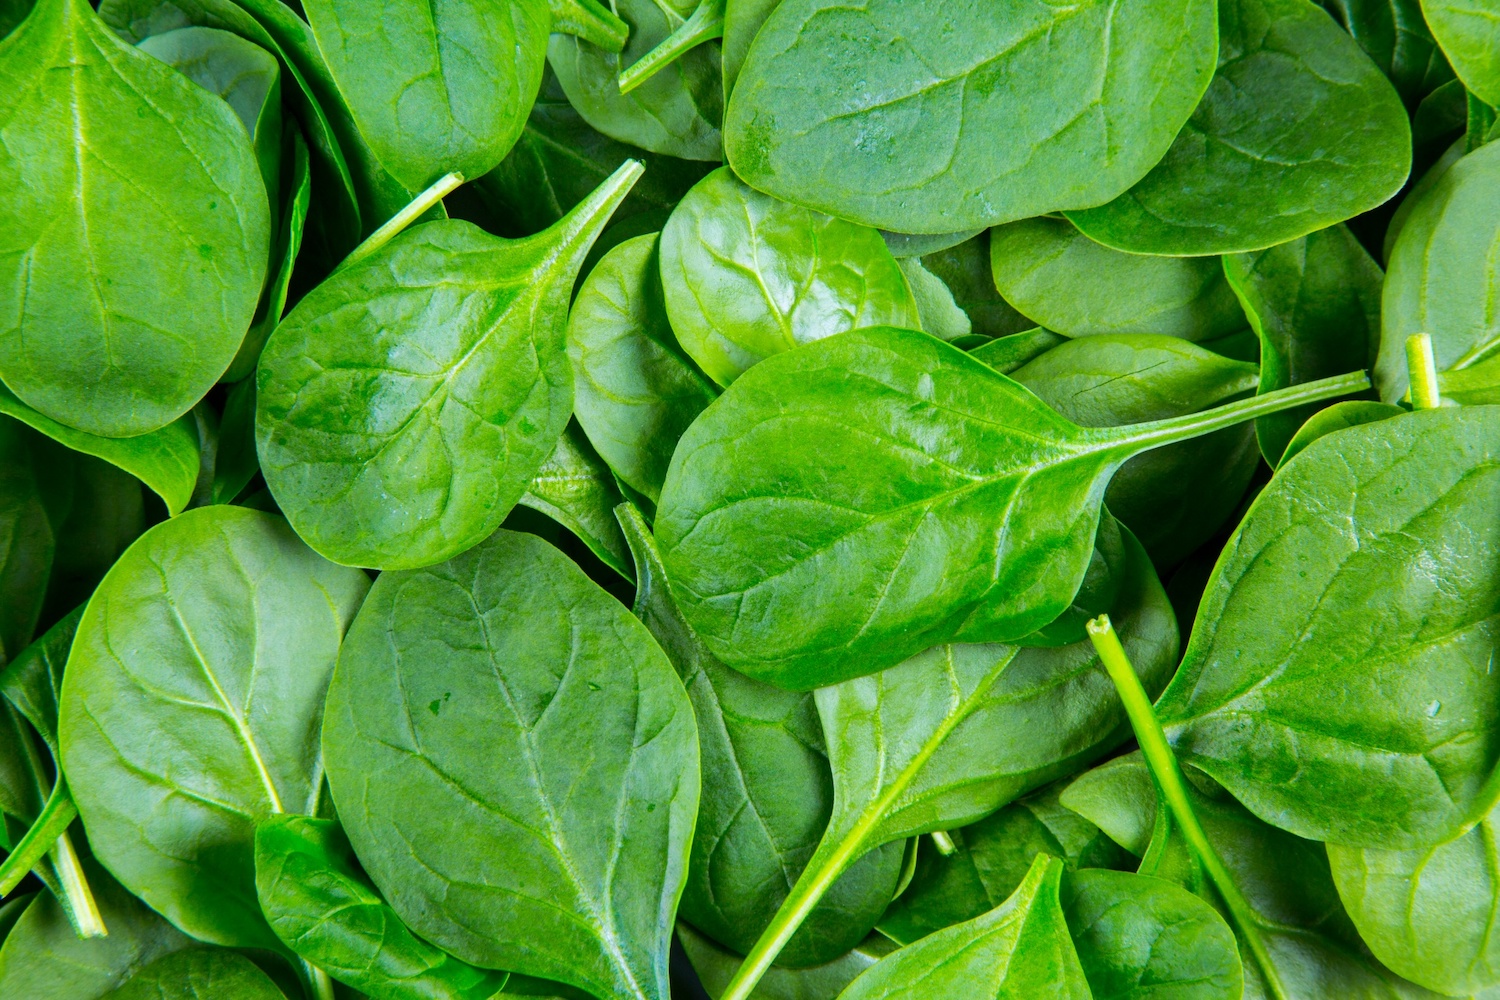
<point x="715" y="967"/>
<point x="1349" y="413"/>
<point x="922" y="244"/>
<point x="1139" y="937"/>
<point x="12" y="13"/>
<point x="742" y="22"/>
<point x="937" y="312"/>
<point x="1327" y="707"/>
<point x="1066" y="282"/>
<point x="980" y="116"/>
<point x="1443" y="274"/>
<point x="822" y="519"/>
<point x="1315" y="305"/>
<point x="467" y="687"/>
<point x="1426" y="912"/>
<point x="178" y="740"/>
<point x="767" y="795"/>
<point x="1008" y="353"/>
<point x="965" y="269"/>
<point x="32" y="682"/>
<point x="1020" y="949"/>
<point x="1173" y="498"/>
<point x="323" y="907"/>
<point x="746" y="276"/>
<point x="676" y="112"/>
<point x="635" y="391"/>
<point x="43" y="957"/>
<point x="236" y="462"/>
<point x="574" y="488"/>
<point x="27" y="540"/>
<point x="91" y="346"/>
<point x="990" y="859"/>
<point x="198" y="974"/>
<point x="1298" y="131"/>
<point x="405" y="404"/>
<point x="1470" y="37"/>
<point x="1395" y="36"/>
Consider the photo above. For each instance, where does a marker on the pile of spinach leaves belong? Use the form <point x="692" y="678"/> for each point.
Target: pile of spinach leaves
<point x="776" y="499"/>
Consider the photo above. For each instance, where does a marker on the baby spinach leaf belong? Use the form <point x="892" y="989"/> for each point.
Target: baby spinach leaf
<point x="938" y="123"/>
<point x="1426" y="913"/>
<point x="27" y="539"/>
<point x="635" y="391"/>
<point x="1324" y="705"/>
<point x="965" y="270"/>
<point x="742" y="22"/>
<point x="1349" y="413"/>
<point x="323" y="907"/>
<point x="405" y="403"/>
<point x="32" y="682"/>
<point x="1020" y="949"/>
<point x="198" y="974"/>
<point x="1470" y="37"/>
<point x="12" y="13"/>
<point x="107" y="151"/>
<point x="767" y="794"/>
<point x="43" y="957"/>
<point x="922" y="244"/>
<point x="746" y="276"/>
<point x="937" y="312"/>
<point x="177" y="740"/>
<point x="1140" y="937"/>
<point x="1315" y="305"/>
<point x="991" y="859"/>
<point x="574" y="488"/>
<point x="1173" y="498"/>
<point x="236" y="462"/>
<point x="715" y="967"/>
<point x="1395" y="36"/>
<point x="676" y="112"/>
<point x="1008" y="353"/>
<point x="469" y="687"/>
<point x="1298" y="131"/>
<point x="1444" y="275"/>
<point x="913" y="489"/>
<point x="1068" y="283"/>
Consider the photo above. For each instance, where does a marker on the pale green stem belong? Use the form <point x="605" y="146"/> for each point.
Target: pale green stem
<point x="1421" y="371"/>
<point x="591" y="21"/>
<point x="706" y="23"/>
<point x="393" y="227"/>
<point x="317" y="983"/>
<point x="88" y="922"/>
<point x="37" y="841"/>
<point x="1164" y="768"/>
<point x="944" y="843"/>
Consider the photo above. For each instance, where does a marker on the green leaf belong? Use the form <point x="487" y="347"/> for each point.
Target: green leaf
<point x="435" y="87"/>
<point x="715" y="967"/>
<point x="1020" y="950"/>
<point x="939" y="314"/>
<point x="965" y="269"/>
<point x="991" y="859"/>
<point x="1340" y="663"/>
<point x="198" y="974"/>
<point x="742" y="22"/>
<point x="165" y="459"/>
<point x="574" y="488"/>
<point x="1174" y="498"/>
<point x="42" y="956"/>
<point x="865" y="497"/>
<point x="27" y="539"/>
<point x="107" y="151"/>
<point x="32" y="682"/>
<point x="236" y="462"/>
<point x="1444" y="275"/>
<point x="676" y="112"/>
<point x="555" y="755"/>
<point x="1395" y="36"/>
<point x="746" y="276"/>
<point x="928" y="124"/>
<point x="1008" y="353"/>
<point x="1315" y="305"/>
<point x="323" y="908"/>
<point x="234" y="625"/>
<point x="1139" y="937"/>
<point x="767" y="794"/>
<point x="1470" y="36"/>
<point x="405" y="403"/>
<point x="1066" y="282"/>
<point x="1298" y="131"/>
<point x="1349" y="413"/>
<point x="635" y="391"/>
<point x="1427" y="913"/>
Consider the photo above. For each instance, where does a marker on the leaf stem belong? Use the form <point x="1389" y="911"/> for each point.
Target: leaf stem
<point x="944" y="843"/>
<point x="706" y="22"/>
<point x="591" y="21"/>
<point x="317" y="983"/>
<point x="1168" y="774"/>
<point x="1157" y="433"/>
<point x="37" y="841"/>
<point x="1421" y="373"/>
<point x="393" y="227"/>
<point x="83" y="911"/>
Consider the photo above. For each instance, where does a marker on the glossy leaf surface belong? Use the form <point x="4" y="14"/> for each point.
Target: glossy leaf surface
<point x="198" y="974"/>
<point x="1349" y="413"/>
<point x="574" y="488"/>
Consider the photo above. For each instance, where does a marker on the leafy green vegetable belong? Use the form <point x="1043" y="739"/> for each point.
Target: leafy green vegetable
<point x="715" y="967"/>
<point x="1395" y="36"/>
<point x="574" y="488"/>
<point x="187" y="223"/>
<point x="1008" y="353"/>
<point x="742" y="22"/>
<point x="1068" y="283"/>
<point x="323" y="907"/>
<point x="1298" y="131"/>
<point x="937" y="311"/>
<point x="1470" y="36"/>
<point x="935" y="124"/>
<point x="405" y="404"/>
<point x="965" y="269"/>
<point x="1349" y="413"/>
<point x="635" y="391"/>
<point x="468" y="687"/>
<point x="234" y="625"/>
<point x="746" y="276"/>
<point x="198" y="974"/>
<point x="822" y="519"/>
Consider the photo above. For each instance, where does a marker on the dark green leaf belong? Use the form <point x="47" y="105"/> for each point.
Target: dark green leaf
<point x="27" y="539"/>
<point x="32" y="682"/>
<point x="236" y="462"/>
<point x="716" y="966"/>
<point x="198" y="974"/>
<point x="1395" y="36"/>
<point x="965" y="269"/>
<point x="575" y="488"/>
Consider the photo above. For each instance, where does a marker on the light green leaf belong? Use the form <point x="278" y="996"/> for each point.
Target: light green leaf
<point x="574" y="488"/>
<point x="1469" y="33"/>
